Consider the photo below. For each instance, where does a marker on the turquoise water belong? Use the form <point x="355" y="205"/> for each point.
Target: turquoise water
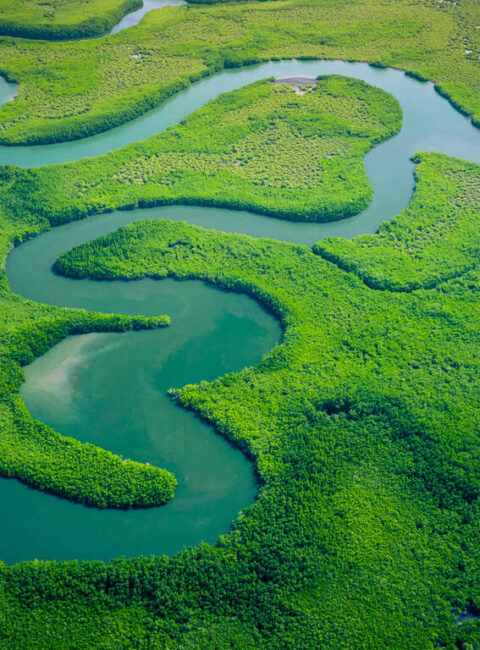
<point x="110" y="389"/>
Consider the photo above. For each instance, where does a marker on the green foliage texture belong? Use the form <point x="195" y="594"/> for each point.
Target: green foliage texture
<point x="69" y="90"/>
<point x="62" y="19"/>
<point x="363" y="421"/>
<point x="262" y="147"/>
<point x="434" y="239"/>
<point x="365" y="434"/>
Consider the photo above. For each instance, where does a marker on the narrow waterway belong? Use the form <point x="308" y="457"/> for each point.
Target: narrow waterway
<point x="134" y="17"/>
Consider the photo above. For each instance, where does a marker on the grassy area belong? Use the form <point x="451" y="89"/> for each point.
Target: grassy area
<point x="62" y="19"/>
<point x="263" y="147"/>
<point x="69" y="90"/>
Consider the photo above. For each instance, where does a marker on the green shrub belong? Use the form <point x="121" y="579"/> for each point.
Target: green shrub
<point x="62" y="19"/>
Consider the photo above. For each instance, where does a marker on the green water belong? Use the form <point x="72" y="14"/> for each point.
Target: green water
<point x="110" y="389"/>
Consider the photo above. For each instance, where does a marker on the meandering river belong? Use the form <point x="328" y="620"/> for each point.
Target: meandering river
<point x="110" y="388"/>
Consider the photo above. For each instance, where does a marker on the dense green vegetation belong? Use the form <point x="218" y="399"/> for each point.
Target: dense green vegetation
<point x="435" y="238"/>
<point x="262" y="147"/>
<point x="85" y="87"/>
<point x="365" y="432"/>
<point x="62" y="19"/>
<point x="363" y="422"/>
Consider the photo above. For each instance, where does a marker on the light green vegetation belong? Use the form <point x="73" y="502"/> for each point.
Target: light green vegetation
<point x="365" y="433"/>
<point x="69" y="90"/>
<point x="363" y="422"/>
<point x="261" y="147"/>
<point x="62" y="19"/>
<point x="434" y="239"/>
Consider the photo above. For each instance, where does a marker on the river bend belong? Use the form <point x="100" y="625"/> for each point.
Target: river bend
<point x="110" y="389"/>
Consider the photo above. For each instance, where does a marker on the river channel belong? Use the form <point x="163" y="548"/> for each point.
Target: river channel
<point x="110" y="389"/>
